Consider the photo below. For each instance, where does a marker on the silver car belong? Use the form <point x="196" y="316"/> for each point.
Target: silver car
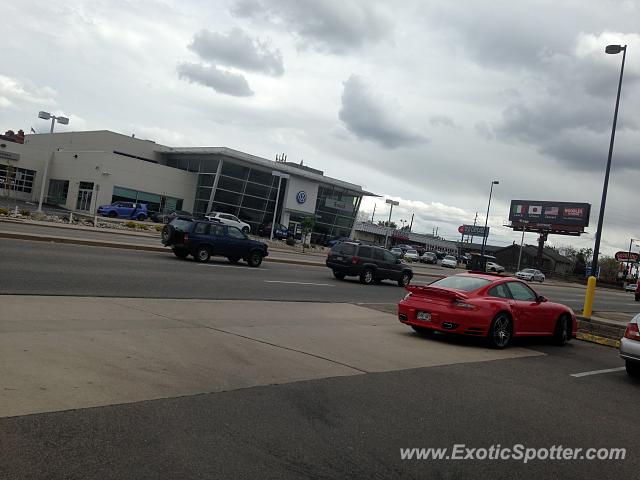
<point x="630" y="347"/>
<point x="531" y="275"/>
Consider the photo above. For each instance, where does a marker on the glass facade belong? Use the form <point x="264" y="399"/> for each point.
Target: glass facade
<point x="58" y="191"/>
<point x="154" y="201"/>
<point x="250" y="192"/>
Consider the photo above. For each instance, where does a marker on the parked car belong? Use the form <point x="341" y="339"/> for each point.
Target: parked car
<point x="494" y="267"/>
<point x="411" y="255"/>
<point x="483" y="305"/>
<point x="397" y="251"/>
<point x="429" y="257"/>
<point x="531" y="275"/>
<point x="160" y="217"/>
<point x="131" y="210"/>
<point x="371" y="264"/>
<point x="280" y="231"/>
<point x="229" y="219"/>
<point x="630" y="347"/>
<point x="203" y="239"/>
<point x="449" y="261"/>
<point x="631" y="287"/>
<point x="335" y="241"/>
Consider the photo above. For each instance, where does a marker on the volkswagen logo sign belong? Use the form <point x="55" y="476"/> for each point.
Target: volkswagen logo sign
<point x="301" y="196"/>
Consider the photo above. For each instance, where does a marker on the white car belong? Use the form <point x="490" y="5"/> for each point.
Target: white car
<point x="494" y="267"/>
<point x="449" y="261"/>
<point x="630" y="347"/>
<point x="229" y="219"/>
<point x="631" y="287"/>
<point x="531" y="275"/>
<point x="411" y="255"/>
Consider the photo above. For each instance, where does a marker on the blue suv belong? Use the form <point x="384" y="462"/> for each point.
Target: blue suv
<point x="124" y="210"/>
<point x="202" y="239"/>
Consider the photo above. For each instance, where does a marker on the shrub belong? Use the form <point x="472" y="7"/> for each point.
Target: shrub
<point x="130" y="224"/>
<point x="306" y="245"/>
<point x="4" y="211"/>
<point x="291" y="241"/>
<point x="159" y="228"/>
<point x="25" y="213"/>
<point x="141" y="226"/>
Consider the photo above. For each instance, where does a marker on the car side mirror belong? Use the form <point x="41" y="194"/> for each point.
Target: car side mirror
<point x="541" y="299"/>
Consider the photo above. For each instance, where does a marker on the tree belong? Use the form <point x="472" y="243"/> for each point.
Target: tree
<point x="387" y="224"/>
<point x="609" y="269"/>
<point x="307" y="225"/>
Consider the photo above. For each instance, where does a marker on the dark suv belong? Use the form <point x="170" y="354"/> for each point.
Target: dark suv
<point x="371" y="264"/>
<point x="202" y="239"/>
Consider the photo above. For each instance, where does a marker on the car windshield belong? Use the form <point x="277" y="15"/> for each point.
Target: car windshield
<point x="449" y="257"/>
<point x="528" y="270"/>
<point x="180" y="224"/>
<point x="461" y="282"/>
<point x="412" y="252"/>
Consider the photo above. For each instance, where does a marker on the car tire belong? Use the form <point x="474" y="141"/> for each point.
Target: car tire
<point x="245" y="230"/>
<point x="405" y="279"/>
<point x="500" y="331"/>
<point x="233" y="260"/>
<point x="423" y="331"/>
<point x="167" y="234"/>
<point x="562" y="333"/>
<point x="255" y="258"/>
<point x="339" y="275"/>
<point x="202" y="254"/>
<point x="633" y="368"/>
<point x="181" y="252"/>
<point x="141" y="217"/>
<point x="112" y="214"/>
<point x="366" y="276"/>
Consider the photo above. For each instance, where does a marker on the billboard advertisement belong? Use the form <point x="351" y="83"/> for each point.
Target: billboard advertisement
<point x="550" y="216"/>
<point x="473" y="230"/>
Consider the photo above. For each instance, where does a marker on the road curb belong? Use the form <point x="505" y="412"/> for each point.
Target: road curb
<point x="587" y="337"/>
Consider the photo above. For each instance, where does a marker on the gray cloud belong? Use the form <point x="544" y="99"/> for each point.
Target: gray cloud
<point x="337" y="26"/>
<point x="442" y="121"/>
<point x="237" y="49"/>
<point x="211" y="76"/>
<point x="368" y="120"/>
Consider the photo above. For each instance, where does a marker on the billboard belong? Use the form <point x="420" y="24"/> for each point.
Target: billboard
<point x="549" y="216"/>
<point x="473" y="230"/>
<point x="625" y="257"/>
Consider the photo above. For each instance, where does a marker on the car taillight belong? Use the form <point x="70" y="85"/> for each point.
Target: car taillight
<point x="632" y="332"/>
<point x="185" y="239"/>
<point x="354" y="260"/>
<point x="465" y="305"/>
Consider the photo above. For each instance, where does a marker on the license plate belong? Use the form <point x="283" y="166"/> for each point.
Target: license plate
<point x="424" y="316"/>
<point x="339" y="259"/>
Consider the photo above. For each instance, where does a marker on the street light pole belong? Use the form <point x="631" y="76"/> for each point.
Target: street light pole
<point x="275" y="209"/>
<point x="63" y="121"/>
<point x="610" y="49"/>
<point x="486" y="221"/>
<point x="386" y="237"/>
<point x="629" y="258"/>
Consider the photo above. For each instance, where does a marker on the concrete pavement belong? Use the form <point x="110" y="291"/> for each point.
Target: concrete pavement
<point x="60" y="353"/>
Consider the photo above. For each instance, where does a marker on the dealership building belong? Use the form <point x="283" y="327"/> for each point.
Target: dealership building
<point x="93" y="168"/>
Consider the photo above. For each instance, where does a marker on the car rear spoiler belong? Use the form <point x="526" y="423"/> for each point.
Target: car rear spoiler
<point x="435" y="292"/>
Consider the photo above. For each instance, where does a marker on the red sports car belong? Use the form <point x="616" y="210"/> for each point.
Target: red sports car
<point x="485" y="305"/>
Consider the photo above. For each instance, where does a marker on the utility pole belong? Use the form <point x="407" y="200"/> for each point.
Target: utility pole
<point x="475" y="220"/>
<point x="411" y="224"/>
<point x="374" y="212"/>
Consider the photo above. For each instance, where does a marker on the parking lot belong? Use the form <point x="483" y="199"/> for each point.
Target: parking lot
<point x="105" y="352"/>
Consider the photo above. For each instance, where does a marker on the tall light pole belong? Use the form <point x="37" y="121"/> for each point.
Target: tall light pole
<point x="275" y="209"/>
<point x="386" y="236"/>
<point x="63" y="121"/>
<point x="629" y="257"/>
<point x="612" y="50"/>
<point x="486" y="221"/>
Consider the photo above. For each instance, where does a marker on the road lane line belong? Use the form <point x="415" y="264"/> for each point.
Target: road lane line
<point x="301" y="283"/>
<point x="232" y="266"/>
<point x="597" y="372"/>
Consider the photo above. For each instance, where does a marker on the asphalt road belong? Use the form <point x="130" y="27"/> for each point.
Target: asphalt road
<point x="40" y="268"/>
<point x="350" y="427"/>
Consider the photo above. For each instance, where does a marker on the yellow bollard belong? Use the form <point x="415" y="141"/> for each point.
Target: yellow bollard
<point x="588" y="297"/>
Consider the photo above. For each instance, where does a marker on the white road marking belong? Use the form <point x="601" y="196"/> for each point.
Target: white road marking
<point x="597" y="372"/>
<point x="300" y="283"/>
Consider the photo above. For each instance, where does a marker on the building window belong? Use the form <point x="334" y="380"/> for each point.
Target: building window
<point x="58" y="191"/>
<point x="154" y="201"/>
<point x="16" y="179"/>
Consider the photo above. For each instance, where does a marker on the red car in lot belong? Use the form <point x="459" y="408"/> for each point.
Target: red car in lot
<point x="485" y="305"/>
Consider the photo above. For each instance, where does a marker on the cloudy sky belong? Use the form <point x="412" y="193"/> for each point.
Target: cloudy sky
<point x="425" y="102"/>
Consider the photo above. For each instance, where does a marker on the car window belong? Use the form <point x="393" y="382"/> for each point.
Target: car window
<point x="412" y="252"/>
<point x="449" y="257"/>
<point x="520" y="291"/>
<point x="217" y="230"/>
<point x="364" y="252"/>
<point x="345" y="248"/>
<point x="180" y="224"/>
<point x="236" y="233"/>
<point x="500" y="291"/>
<point x="378" y="254"/>
<point x="461" y="282"/>
<point x="389" y="257"/>
<point x="201" y="228"/>
<point x="226" y="217"/>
